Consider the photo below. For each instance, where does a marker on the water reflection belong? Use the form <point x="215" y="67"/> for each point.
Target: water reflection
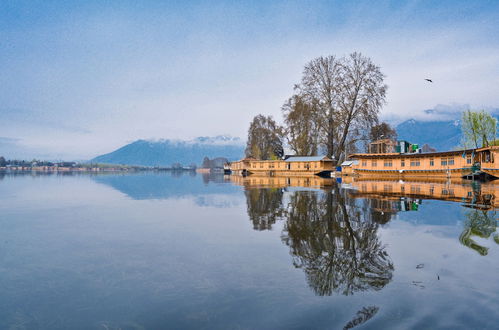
<point x="336" y="245"/>
<point x="330" y="236"/>
<point x="332" y="229"/>
<point x="264" y="207"/>
<point x="362" y="316"/>
<point x="472" y="194"/>
<point x="479" y="223"/>
<point x="205" y="191"/>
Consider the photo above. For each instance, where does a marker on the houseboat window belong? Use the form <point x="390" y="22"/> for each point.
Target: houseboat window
<point x="261" y="165"/>
<point x="388" y="163"/>
<point x="375" y="163"/>
<point x="315" y="165"/>
<point x="450" y="161"/>
<point x="432" y="162"/>
<point x="468" y="159"/>
<point x="415" y="162"/>
<point x="402" y="162"/>
<point x="298" y="165"/>
<point x="364" y="163"/>
<point x="443" y="161"/>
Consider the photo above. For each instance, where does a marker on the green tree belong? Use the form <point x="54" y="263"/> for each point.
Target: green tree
<point x="265" y="138"/>
<point x="382" y="131"/>
<point x="302" y="130"/>
<point x="479" y="129"/>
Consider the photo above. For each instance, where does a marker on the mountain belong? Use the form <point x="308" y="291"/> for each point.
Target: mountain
<point x="440" y="128"/>
<point x="441" y="135"/>
<point x="166" y="152"/>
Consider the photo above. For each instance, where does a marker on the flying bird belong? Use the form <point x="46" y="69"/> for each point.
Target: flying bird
<point x="429" y="80"/>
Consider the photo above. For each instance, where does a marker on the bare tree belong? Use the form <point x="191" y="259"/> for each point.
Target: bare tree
<point x="347" y="95"/>
<point x="362" y="96"/>
<point x="265" y="138"/>
<point x="320" y="88"/>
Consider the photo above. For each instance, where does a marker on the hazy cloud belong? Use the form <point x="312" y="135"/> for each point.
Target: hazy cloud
<point x="80" y="79"/>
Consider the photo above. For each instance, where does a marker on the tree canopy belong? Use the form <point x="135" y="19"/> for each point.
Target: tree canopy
<point x="265" y="138"/>
<point x="341" y="100"/>
<point x="479" y="129"/>
<point x="382" y="131"/>
<point x="302" y="129"/>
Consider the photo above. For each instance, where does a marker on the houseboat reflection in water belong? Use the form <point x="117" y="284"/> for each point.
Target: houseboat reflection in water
<point x="331" y="229"/>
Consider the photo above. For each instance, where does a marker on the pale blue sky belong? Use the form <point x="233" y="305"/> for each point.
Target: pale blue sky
<point x="82" y="79"/>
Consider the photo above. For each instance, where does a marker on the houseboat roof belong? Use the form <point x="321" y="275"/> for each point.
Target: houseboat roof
<point x="350" y="163"/>
<point x="307" y="159"/>
<point x="488" y="148"/>
<point x="413" y="155"/>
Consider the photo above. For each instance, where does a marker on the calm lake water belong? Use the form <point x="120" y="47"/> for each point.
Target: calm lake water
<point x="158" y="251"/>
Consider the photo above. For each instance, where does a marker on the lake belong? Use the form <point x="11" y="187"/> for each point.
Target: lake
<point x="178" y="251"/>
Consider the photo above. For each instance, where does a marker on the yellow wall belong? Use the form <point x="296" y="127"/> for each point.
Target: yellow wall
<point x="281" y="165"/>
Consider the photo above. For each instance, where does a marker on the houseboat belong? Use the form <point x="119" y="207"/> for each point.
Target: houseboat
<point x="289" y="166"/>
<point x="447" y="164"/>
<point x="488" y="158"/>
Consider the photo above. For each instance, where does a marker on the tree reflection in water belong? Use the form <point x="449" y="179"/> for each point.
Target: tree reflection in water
<point x="330" y="236"/>
<point x="480" y="223"/>
<point x="264" y="207"/>
<point x="336" y="245"/>
<point x="362" y="316"/>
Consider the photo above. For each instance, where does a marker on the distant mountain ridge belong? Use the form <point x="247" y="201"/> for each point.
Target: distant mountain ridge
<point x="166" y="152"/>
<point x="440" y="128"/>
<point x="443" y="135"/>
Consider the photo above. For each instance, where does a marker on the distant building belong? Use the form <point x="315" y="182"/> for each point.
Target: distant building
<point x="382" y="146"/>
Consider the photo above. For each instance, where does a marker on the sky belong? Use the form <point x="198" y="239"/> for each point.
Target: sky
<point x="82" y="78"/>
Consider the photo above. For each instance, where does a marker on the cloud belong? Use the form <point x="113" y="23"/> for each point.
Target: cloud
<point x="85" y="79"/>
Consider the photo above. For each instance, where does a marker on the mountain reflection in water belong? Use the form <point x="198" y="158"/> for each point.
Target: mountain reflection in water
<point x="332" y="232"/>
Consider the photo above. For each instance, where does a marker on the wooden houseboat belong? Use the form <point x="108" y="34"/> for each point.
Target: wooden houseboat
<point x="489" y="160"/>
<point x="447" y="164"/>
<point x="290" y="166"/>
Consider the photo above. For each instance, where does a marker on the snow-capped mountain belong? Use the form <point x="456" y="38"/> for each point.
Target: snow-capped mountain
<point x="166" y="152"/>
